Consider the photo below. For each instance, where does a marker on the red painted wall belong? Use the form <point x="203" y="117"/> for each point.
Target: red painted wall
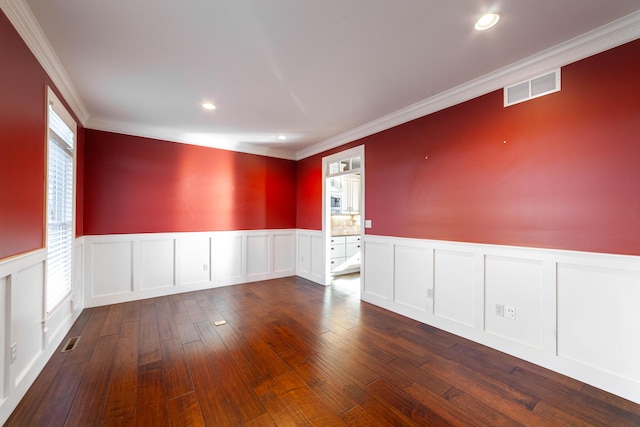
<point x="22" y="145"/>
<point x="309" y="193"/>
<point x="140" y="185"/>
<point x="561" y="171"/>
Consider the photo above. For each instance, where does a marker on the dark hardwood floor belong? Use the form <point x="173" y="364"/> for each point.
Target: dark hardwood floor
<point x="294" y="353"/>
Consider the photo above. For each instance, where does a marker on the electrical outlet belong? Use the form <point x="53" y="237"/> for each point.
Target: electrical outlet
<point x="14" y="352"/>
<point x="205" y="267"/>
<point x="429" y="293"/>
<point x="500" y="310"/>
<point x="510" y="312"/>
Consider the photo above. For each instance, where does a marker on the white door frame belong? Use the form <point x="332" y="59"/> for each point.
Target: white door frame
<point x="326" y="206"/>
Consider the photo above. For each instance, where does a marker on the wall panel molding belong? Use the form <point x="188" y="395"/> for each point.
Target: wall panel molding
<point x="413" y="277"/>
<point x="227" y="261"/>
<point x="25" y="324"/>
<point x="158" y="264"/>
<point x="595" y="304"/>
<point x="378" y="271"/>
<point x="283" y="251"/>
<point x="310" y="255"/>
<point x="575" y="312"/>
<point x="454" y="284"/>
<point x="127" y="267"/>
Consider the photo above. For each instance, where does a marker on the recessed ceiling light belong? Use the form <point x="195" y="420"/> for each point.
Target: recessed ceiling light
<point x="282" y="137"/>
<point x="208" y="106"/>
<point x="487" y="20"/>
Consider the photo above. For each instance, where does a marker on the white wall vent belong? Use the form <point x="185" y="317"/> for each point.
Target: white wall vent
<point x="533" y="88"/>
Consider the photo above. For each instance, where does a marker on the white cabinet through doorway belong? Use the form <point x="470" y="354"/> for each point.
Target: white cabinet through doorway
<point x="345" y="254"/>
<point x="351" y="194"/>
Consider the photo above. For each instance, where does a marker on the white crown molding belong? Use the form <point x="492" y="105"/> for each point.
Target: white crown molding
<point x="606" y="37"/>
<point x="168" y="135"/>
<point x="25" y="23"/>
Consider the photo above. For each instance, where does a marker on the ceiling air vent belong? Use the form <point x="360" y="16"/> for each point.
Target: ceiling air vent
<point x="533" y="88"/>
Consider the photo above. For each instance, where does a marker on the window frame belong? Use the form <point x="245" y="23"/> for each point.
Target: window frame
<point x="53" y="102"/>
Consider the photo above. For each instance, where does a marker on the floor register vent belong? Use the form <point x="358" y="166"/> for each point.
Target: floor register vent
<point x="71" y="344"/>
<point x="532" y="88"/>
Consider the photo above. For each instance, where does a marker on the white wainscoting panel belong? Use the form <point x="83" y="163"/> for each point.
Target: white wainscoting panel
<point x="454" y="290"/>
<point x="318" y="259"/>
<point x="577" y="313"/>
<point x="194" y="260"/>
<point x="128" y="267"/>
<point x="378" y="271"/>
<point x="304" y="254"/>
<point x="227" y="257"/>
<point x="283" y="252"/>
<point x="27" y="295"/>
<point x="258" y="255"/>
<point x="311" y="257"/>
<point x="157" y="264"/>
<point x="110" y="267"/>
<point x="516" y="283"/>
<point x="77" y="298"/>
<point x="413" y="268"/>
<point x="4" y="366"/>
<point x="599" y="318"/>
<point x="24" y="324"/>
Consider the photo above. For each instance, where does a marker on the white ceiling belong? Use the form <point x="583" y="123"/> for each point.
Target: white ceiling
<point x="311" y="70"/>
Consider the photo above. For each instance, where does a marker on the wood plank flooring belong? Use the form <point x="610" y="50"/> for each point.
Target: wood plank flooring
<point x="294" y="353"/>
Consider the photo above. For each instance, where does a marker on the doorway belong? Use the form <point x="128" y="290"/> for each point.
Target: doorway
<point x="343" y="219"/>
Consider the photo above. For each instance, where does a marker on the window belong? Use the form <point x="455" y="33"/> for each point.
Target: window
<point x="344" y="166"/>
<point x="60" y="202"/>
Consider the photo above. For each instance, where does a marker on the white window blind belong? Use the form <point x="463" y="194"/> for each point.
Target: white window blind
<point x="59" y="210"/>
